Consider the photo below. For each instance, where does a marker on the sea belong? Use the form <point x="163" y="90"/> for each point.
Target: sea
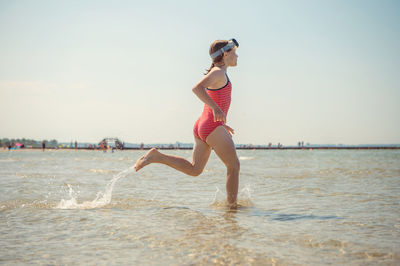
<point x="296" y="207"/>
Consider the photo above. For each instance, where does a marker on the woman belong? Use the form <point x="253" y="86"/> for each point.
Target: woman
<point x="210" y="130"/>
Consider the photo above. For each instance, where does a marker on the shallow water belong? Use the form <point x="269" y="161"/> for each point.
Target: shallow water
<point x="297" y="207"/>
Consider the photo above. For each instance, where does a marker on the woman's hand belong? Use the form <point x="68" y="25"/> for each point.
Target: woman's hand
<point x="229" y="129"/>
<point x="219" y="115"/>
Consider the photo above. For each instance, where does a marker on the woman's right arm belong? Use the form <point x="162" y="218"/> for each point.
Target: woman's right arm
<point x="210" y="80"/>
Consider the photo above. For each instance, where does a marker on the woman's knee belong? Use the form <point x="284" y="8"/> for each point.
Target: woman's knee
<point x="196" y="171"/>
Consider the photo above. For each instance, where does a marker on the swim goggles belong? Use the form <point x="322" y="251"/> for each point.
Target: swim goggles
<point x="231" y="43"/>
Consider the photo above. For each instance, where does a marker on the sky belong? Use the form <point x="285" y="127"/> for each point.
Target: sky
<point x="322" y="72"/>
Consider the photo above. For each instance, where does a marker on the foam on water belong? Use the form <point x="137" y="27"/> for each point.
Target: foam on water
<point x="102" y="198"/>
<point x="243" y="158"/>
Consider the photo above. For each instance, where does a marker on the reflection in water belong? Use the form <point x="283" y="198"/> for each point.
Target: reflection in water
<point x="288" y="216"/>
<point x="210" y="239"/>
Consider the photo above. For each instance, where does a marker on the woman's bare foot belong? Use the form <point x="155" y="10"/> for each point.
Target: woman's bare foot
<point x="150" y="157"/>
<point x="233" y="206"/>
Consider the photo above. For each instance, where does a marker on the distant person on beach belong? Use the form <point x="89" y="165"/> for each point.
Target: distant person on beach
<point x="210" y="130"/>
<point x="43" y="145"/>
<point x="105" y="146"/>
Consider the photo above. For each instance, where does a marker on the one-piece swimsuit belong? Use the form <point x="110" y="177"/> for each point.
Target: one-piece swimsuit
<point x="205" y="124"/>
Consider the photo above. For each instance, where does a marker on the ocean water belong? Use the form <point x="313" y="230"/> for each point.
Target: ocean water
<point x="297" y="207"/>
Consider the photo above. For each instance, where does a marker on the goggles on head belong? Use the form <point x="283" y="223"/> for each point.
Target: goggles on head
<point x="231" y="43"/>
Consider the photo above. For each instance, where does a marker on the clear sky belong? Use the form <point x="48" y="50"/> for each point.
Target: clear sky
<point x="318" y="71"/>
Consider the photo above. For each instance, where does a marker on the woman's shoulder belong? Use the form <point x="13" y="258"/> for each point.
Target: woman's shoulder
<point x="216" y="78"/>
<point x="217" y="72"/>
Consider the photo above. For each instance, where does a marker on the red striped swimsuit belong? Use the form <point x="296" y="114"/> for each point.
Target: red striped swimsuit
<point x="205" y="124"/>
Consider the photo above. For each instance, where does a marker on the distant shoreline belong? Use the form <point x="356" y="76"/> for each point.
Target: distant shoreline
<point x="238" y="148"/>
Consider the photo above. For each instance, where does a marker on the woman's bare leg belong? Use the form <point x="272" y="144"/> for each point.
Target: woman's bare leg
<point x="201" y="153"/>
<point x="223" y="145"/>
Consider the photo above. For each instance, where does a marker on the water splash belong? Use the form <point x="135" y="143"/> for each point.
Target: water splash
<point x="243" y="199"/>
<point x="102" y="198"/>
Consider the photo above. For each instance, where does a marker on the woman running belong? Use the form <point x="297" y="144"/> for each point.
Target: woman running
<point x="210" y="130"/>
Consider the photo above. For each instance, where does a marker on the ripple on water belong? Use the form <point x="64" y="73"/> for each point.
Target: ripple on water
<point x="25" y="203"/>
<point x="33" y="175"/>
<point x="311" y="209"/>
<point x="101" y="171"/>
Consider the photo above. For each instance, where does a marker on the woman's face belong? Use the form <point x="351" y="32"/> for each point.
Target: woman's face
<point x="230" y="57"/>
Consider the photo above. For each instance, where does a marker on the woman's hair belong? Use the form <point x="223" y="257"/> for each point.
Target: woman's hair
<point x="215" y="46"/>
